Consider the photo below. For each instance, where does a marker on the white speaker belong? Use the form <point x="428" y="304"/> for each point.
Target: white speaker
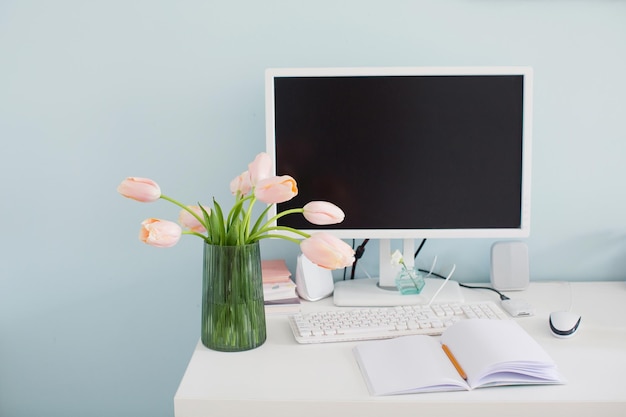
<point x="510" y="270"/>
<point x="313" y="282"/>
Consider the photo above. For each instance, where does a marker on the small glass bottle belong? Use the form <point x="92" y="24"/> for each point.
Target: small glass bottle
<point x="409" y="281"/>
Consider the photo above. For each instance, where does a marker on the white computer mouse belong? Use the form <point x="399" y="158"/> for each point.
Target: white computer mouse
<point x="564" y="323"/>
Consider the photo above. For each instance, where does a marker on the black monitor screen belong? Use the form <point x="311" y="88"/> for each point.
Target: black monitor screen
<point x="404" y="152"/>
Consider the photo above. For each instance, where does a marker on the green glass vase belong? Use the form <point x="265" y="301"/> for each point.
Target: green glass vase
<point x="233" y="313"/>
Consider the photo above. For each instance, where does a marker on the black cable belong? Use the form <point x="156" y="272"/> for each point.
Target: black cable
<point x="473" y="287"/>
<point x="358" y="253"/>
<point x="502" y="296"/>
<point x="419" y="248"/>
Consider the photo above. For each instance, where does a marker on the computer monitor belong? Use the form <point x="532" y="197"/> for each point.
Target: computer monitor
<point x="407" y="153"/>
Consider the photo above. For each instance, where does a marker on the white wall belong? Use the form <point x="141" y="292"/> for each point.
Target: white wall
<point x="95" y="323"/>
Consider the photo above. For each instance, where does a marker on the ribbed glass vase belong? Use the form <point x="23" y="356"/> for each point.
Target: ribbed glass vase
<point x="233" y="314"/>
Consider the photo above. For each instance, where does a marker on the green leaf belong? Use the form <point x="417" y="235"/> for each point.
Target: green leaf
<point x="235" y="211"/>
<point x="256" y="226"/>
<point x="218" y="224"/>
<point x="232" y="237"/>
<point x="207" y="224"/>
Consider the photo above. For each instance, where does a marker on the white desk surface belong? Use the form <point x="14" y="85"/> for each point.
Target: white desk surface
<point x="283" y="378"/>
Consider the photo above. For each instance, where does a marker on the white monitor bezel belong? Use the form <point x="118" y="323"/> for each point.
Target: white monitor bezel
<point x="522" y="231"/>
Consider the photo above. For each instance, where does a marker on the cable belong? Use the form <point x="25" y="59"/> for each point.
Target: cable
<point x="358" y="253"/>
<point x="419" y="248"/>
<point x="432" y="267"/>
<point x="502" y="296"/>
<point x="473" y="287"/>
<point x="442" y="285"/>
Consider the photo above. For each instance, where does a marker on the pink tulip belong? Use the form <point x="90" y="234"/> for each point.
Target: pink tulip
<point x="327" y="251"/>
<point x="260" y="168"/>
<point x="323" y="212"/>
<point x="276" y="189"/>
<point x="140" y="189"/>
<point x="190" y="222"/>
<point x="241" y="185"/>
<point x="159" y="233"/>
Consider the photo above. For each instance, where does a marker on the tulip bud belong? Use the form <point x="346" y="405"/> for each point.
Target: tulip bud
<point x="188" y="221"/>
<point x="260" y="168"/>
<point x="159" y="233"/>
<point x="275" y="190"/>
<point x="241" y="185"/>
<point x="141" y="189"/>
<point x="322" y="213"/>
<point x="327" y="251"/>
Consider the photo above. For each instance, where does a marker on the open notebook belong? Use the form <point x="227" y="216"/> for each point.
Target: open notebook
<point x="488" y="352"/>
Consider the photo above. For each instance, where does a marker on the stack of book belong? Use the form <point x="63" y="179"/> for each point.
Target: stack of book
<point x="279" y="290"/>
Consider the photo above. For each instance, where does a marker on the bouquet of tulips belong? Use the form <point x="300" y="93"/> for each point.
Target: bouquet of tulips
<point x="237" y="226"/>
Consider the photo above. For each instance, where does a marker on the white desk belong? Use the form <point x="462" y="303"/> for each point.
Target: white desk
<point x="283" y="378"/>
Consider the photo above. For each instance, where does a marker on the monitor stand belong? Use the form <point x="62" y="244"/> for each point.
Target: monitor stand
<point x="367" y="293"/>
<point x="382" y="292"/>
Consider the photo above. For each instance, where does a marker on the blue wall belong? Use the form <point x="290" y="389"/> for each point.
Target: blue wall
<point x="94" y="323"/>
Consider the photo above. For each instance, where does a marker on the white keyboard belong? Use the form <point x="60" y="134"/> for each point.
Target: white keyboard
<point x="345" y="325"/>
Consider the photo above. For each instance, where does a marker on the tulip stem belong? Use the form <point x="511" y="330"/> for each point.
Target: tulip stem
<point x="261" y="233"/>
<point x="200" y="235"/>
<point x="278" y="216"/>
<point x="245" y="230"/>
<point x="254" y="229"/>
<point x="186" y="208"/>
<point x="291" y="239"/>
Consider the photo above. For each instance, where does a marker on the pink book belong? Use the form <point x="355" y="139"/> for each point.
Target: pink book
<point x="275" y="270"/>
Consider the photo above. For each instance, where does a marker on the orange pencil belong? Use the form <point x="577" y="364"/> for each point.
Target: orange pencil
<point x="454" y="362"/>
